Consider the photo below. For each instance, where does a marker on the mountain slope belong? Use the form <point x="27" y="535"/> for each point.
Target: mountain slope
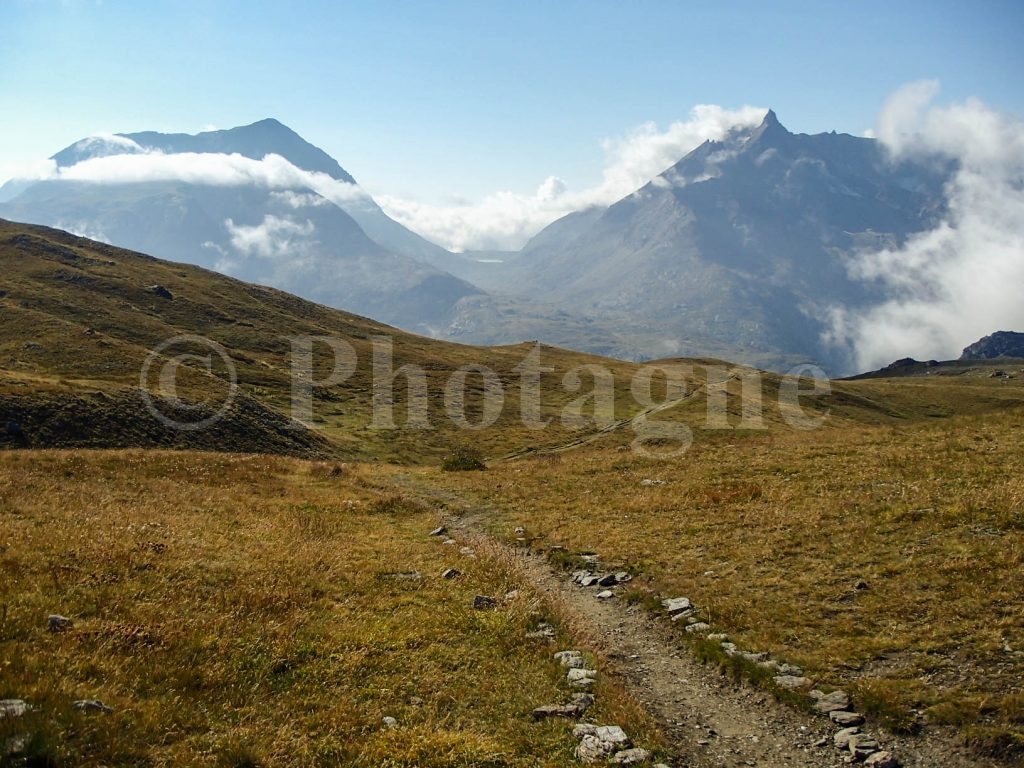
<point x="284" y="234"/>
<point x="741" y="245"/>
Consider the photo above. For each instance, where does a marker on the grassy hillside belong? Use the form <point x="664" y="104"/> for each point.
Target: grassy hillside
<point x="80" y="319"/>
<point x="242" y="611"/>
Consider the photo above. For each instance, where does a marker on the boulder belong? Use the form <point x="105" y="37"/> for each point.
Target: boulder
<point x="605" y="594"/>
<point x="484" y="603"/>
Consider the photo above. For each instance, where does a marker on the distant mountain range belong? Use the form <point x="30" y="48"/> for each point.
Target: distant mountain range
<point x="736" y="251"/>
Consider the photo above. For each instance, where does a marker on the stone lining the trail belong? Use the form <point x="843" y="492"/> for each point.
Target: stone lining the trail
<point x="580" y="703"/>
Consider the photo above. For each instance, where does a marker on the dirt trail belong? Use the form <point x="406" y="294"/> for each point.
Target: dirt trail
<point x="710" y="720"/>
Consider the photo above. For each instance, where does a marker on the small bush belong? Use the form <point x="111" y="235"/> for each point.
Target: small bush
<point x="463" y="460"/>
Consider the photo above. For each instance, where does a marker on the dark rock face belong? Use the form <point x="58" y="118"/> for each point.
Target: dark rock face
<point x="999" y="344"/>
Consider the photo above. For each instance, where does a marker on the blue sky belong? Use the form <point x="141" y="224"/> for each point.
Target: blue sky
<point x="449" y="100"/>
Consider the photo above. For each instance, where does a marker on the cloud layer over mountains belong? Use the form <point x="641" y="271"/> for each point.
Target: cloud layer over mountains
<point x="506" y="220"/>
<point x="961" y="280"/>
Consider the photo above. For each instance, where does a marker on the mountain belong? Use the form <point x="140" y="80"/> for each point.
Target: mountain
<point x="739" y="249"/>
<point x="999" y="344"/>
<point x="301" y="235"/>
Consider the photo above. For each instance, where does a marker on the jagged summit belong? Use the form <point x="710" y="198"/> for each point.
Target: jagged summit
<point x="769" y="132"/>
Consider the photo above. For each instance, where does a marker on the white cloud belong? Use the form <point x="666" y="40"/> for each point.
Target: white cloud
<point x="505" y="220"/>
<point x="130" y="165"/>
<point x="960" y="281"/>
<point x="274" y="237"/>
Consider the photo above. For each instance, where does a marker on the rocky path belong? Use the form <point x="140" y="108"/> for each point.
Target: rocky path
<point x="710" y="720"/>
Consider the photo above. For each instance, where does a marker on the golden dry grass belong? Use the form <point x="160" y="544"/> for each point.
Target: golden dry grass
<point x="245" y="610"/>
<point x="770" y="534"/>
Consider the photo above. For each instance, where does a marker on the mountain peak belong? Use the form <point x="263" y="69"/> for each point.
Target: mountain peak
<point x="770" y="131"/>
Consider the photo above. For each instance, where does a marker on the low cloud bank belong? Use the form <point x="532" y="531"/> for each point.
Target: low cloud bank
<point x="962" y="280"/>
<point x="215" y="169"/>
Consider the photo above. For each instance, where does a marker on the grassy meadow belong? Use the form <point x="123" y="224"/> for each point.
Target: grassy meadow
<point x="250" y="610"/>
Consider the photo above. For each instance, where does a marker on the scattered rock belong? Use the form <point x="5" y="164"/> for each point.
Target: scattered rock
<point x="830" y="702"/>
<point x="449" y="542"/>
<point x="605" y="594"/>
<point x="699" y="626"/>
<point x="608" y="580"/>
<point x="520" y="530"/>
<point x="439" y="531"/>
<point x="484" y="603"/>
<point x="861" y="585"/>
<point x="589" y="581"/>
<point x="719" y="637"/>
<point x="634" y="756"/>
<point x="563" y="655"/>
<point x="882" y="760"/>
<point x="511" y="595"/>
<point x="647" y="482"/>
<point x="754" y="657"/>
<point x="676" y="605"/>
<point x="791" y="682"/>
<point x="58" y="623"/>
<point x="91" y="705"/>
<point x="415" y="701"/>
<point x="842" y="738"/>
<point x="846" y="719"/>
<point x="159" y="290"/>
<point x="451" y="573"/>
<point x="790" y="669"/>
<point x="467" y="551"/>
<point x="389" y="722"/>
<point x="581" y="678"/>
<point x="12" y="708"/>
